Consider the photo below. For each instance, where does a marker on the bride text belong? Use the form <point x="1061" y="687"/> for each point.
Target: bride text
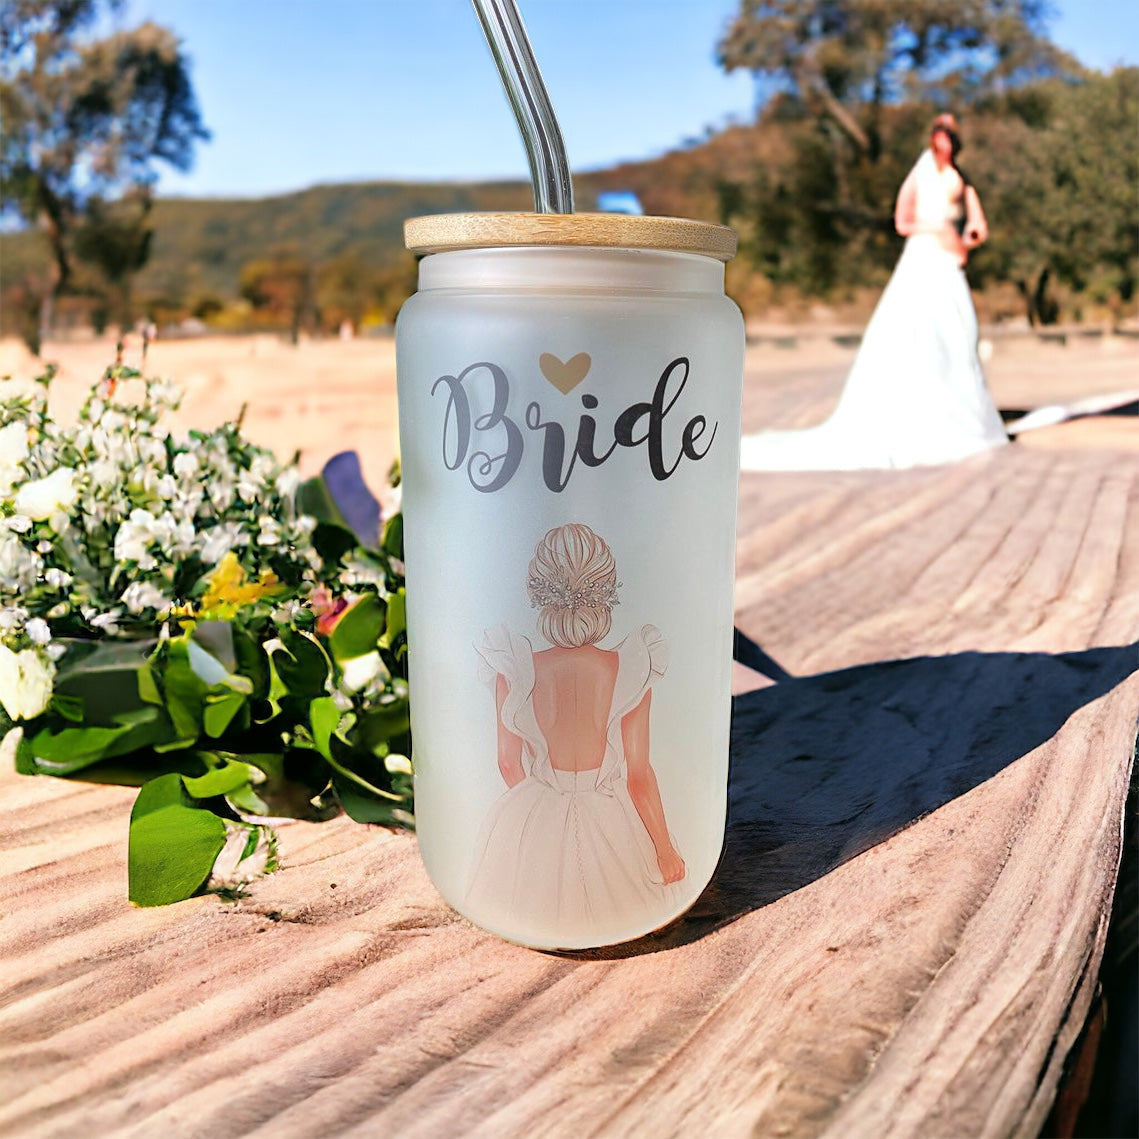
<point x="489" y="445"/>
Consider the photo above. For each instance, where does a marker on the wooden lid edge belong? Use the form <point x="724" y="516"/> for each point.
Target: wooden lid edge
<point x="443" y="233"/>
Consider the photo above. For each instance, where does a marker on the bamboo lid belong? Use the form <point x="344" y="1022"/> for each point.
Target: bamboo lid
<point x="442" y="233"/>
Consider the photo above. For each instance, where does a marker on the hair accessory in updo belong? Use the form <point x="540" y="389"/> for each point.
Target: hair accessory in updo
<point x="561" y="595"/>
<point x="572" y="579"/>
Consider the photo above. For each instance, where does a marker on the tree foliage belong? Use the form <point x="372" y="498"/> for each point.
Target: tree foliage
<point x="1060" y="176"/>
<point x="845" y="60"/>
<point x="85" y="122"/>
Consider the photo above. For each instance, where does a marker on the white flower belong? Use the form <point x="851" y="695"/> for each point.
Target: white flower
<point x="104" y="473"/>
<point x="19" y="568"/>
<point x="233" y="868"/>
<point x="219" y="541"/>
<point x="358" y="671"/>
<point x="134" y="538"/>
<point x="287" y="610"/>
<point x="186" y="465"/>
<point x="18" y="523"/>
<point x="39" y="630"/>
<point x="397" y="764"/>
<point x="25" y="683"/>
<point x="152" y="450"/>
<point x="288" y="481"/>
<point x="13" y="444"/>
<point x="52" y="494"/>
<point x="12" y="617"/>
<point x="358" y="571"/>
<point x="57" y="578"/>
<point x="140" y="595"/>
<point x="13" y="451"/>
<point x="164" y="392"/>
<point x="108" y="622"/>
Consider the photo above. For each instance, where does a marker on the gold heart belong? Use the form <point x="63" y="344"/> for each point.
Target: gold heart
<point x="565" y="377"/>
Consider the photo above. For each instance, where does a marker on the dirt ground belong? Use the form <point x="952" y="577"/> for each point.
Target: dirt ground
<point x="325" y="396"/>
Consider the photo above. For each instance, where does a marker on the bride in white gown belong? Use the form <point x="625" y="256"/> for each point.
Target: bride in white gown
<point x="578" y="842"/>
<point x="915" y="395"/>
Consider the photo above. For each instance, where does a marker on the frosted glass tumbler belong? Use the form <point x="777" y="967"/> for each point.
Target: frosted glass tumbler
<point x="569" y="404"/>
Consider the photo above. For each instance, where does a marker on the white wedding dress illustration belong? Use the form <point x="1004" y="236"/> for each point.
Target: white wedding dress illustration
<point x="568" y="848"/>
<point x="915" y="395"/>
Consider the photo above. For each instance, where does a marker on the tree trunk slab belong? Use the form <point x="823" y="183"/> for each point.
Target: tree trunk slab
<point x="902" y="939"/>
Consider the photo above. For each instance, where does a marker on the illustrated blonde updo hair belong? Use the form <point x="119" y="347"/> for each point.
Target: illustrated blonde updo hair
<point x="572" y="579"/>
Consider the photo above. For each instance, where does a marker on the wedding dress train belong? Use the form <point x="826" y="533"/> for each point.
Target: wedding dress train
<point x="915" y="395"/>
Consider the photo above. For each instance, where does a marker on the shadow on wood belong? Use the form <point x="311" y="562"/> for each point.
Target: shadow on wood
<point x="825" y="767"/>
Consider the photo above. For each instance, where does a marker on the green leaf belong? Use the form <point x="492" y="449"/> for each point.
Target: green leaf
<point x="305" y="668"/>
<point x="278" y="689"/>
<point x="314" y="498"/>
<point x="251" y="661"/>
<point x="25" y="759"/>
<point x="106" y="680"/>
<point x="397" y="618"/>
<point x="68" y="707"/>
<point x="364" y="808"/>
<point x="148" y="691"/>
<point x="383" y="722"/>
<point x="323" y="717"/>
<point x="68" y="750"/>
<point x="332" y="542"/>
<point x="358" y="630"/>
<point x="225" y="779"/>
<point x="392" y="542"/>
<point x="220" y="711"/>
<point x="333" y="536"/>
<point x="172" y="844"/>
<point x="184" y="692"/>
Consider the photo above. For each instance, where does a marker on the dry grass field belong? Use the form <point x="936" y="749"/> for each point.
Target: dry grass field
<point x="324" y="396"/>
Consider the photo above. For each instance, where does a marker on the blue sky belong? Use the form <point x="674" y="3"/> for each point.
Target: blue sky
<point x="299" y="92"/>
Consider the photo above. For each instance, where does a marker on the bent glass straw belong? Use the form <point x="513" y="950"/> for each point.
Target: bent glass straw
<point x="537" y="123"/>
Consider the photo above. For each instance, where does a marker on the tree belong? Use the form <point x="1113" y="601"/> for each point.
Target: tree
<point x="844" y="60"/>
<point x="114" y="239"/>
<point x="1059" y="181"/>
<point x="85" y="122"/>
<point x="280" y="286"/>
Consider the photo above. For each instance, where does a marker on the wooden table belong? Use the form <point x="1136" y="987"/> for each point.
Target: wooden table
<point x="902" y="939"/>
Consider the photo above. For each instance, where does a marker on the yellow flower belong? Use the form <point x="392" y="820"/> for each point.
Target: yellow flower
<point x="229" y="588"/>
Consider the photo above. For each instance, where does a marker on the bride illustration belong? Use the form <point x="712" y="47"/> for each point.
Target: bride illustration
<point x="915" y="394"/>
<point x="579" y="838"/>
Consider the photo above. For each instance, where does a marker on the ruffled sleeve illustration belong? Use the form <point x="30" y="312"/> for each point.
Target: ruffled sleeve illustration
<point x="511" y="656"/>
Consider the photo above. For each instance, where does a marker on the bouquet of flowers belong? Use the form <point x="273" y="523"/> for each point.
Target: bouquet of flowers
<point x="188" y="616"/>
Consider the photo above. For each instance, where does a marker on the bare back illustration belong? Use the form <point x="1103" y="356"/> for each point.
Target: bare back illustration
<point x="579" y="836"/>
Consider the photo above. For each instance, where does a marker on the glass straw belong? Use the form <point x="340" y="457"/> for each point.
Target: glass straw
<point x="537" y="123"/>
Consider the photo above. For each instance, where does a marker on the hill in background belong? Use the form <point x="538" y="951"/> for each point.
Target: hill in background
<point x="201" y="245"/>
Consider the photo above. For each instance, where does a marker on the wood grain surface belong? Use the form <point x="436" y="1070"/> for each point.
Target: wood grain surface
<point x="902" y="938"/>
